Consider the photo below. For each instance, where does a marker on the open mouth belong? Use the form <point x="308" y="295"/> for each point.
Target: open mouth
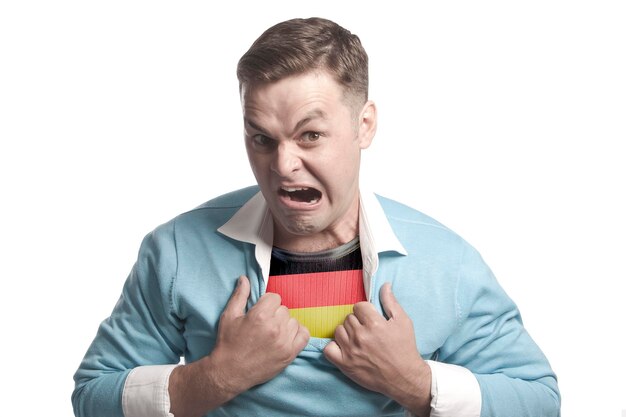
<point x="301" y="194"/>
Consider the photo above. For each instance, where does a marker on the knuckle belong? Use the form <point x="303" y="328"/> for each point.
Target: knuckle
<point x="361" y="339"/>
<point x="286" y="359"/>
<point x="283" y="352"/>
<point x="361" y="305"/>
<point x="257" y="314"/>
<point x="264" y="317"/>
<point x="274" y="331"/>
<point x="272" y="297"/>
<point x="356" y="308"/>
<point x="225" y="316"/>
<point x="305" y="331"/>
<point x="283" y="310"/>
<point x="292" y="324"/>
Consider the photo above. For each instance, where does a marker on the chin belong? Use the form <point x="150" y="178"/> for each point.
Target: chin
<point x="300" y="228"/>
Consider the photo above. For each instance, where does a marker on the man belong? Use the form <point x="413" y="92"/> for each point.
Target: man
<point x="308" y="295"/>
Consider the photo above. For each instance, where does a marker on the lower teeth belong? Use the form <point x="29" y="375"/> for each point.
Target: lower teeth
<point x="300" y="200"/>
<point x="303" y="196"/>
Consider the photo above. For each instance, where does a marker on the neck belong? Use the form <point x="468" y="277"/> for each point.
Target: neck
<point x="335" y="235"/>
<point x="319" y="243"/>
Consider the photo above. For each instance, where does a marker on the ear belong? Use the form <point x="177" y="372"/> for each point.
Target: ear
<point x="368" y="121"/>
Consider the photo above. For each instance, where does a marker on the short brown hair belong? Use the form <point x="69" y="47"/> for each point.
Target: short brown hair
<point x="298" y="46"/>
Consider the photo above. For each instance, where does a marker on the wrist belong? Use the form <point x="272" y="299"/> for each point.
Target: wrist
<point x="225" y="379"/>
<point x="199" y="387"/>
<point x="416" y="395"/>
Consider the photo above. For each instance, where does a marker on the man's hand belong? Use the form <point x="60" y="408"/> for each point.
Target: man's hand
<point x="251" y="348"/>
<point x="381" y="355"/>
<point x="256" y="346"/>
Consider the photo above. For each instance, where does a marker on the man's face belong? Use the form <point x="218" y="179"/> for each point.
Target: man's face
<point x="304" y="142"/>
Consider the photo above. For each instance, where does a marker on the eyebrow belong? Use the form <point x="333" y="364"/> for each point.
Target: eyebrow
<point x="255" y="126"/>
<point x="312" y="115"/>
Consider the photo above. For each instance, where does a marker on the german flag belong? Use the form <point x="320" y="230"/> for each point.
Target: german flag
<point x="320" y="301"/>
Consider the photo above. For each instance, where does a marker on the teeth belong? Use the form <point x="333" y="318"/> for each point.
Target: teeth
<point x="301" y="194"/>
<point x="291" y="190"/>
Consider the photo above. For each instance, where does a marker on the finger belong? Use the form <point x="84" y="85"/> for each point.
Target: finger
<point x="365" y="312"/>
<point x="293" y="327"/>
<point x="301" y="339"/>
<point x="270" y="301"/>
<point x="236" y="306"/>
<point x="282" y="313"/>
<point x="351" y="324"/>
<point x="341" y="336"/>
<point x="332" y="351"/>
<point x="390" y="305"/>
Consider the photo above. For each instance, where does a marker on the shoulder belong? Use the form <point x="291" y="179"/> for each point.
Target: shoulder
<point x="208" y="216"/>
<point x="232" y="200"/>
<point x="427" y="239"/>
<point x="399" y="212"/>
<point x="431" y="243"/>
<point x="411" y="225"/>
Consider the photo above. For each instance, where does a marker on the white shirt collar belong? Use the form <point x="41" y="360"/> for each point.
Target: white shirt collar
<point x="253" y="223"/>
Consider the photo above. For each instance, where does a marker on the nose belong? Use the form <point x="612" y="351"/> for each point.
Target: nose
<point x="286" y="160"/>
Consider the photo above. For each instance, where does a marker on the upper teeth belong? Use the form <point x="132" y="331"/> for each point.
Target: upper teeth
<point x="292" y="189"/>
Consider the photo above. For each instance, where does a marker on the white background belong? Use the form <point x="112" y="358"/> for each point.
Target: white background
<point x="504" y="120"/>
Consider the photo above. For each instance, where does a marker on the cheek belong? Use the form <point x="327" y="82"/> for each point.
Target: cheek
<point x="257" y="164"/>
<point x="340" y="172"/>
<point x="347" y="160"/>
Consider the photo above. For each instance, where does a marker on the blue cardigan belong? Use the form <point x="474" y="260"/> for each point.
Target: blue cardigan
<point x="186" y="272"/>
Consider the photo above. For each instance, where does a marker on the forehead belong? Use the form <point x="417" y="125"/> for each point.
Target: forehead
<point x="294" y="93"/>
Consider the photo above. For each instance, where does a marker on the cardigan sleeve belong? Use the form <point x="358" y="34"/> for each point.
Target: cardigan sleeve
<point x="142" y="330"/>
<point x="514" y="376"/>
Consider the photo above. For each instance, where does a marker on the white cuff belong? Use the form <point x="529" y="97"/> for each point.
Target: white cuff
<point x="455" y="391"/>
<point x="146" y="392"/>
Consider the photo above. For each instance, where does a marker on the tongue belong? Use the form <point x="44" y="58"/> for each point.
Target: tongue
<point x="307" y="196"/>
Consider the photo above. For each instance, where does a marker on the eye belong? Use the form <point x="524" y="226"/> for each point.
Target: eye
<point x="262" y="142"/>
<point x="311" y="136"/>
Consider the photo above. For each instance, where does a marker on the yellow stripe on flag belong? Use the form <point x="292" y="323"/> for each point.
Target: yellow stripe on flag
<point x="321" y="321"/>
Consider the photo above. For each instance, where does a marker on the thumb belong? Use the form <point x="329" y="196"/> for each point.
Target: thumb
<point x="237" y="304"/>
<point x="388" y="300"/>
<point x="333" y="353"/>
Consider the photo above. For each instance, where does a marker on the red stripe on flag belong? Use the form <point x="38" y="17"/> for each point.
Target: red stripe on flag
<point x="318" y="289"/>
